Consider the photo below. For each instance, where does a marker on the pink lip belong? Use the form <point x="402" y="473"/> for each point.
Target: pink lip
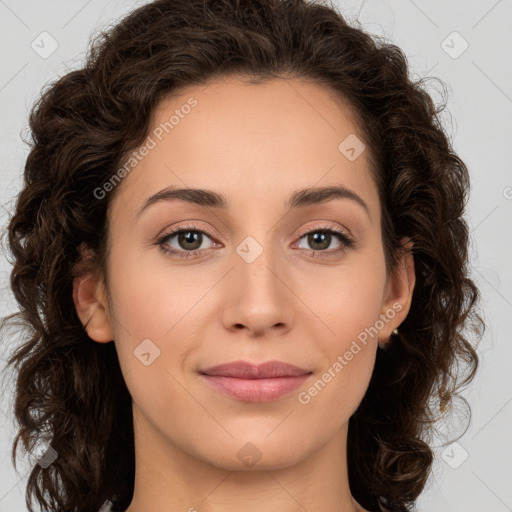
<point x="255" y="383"/>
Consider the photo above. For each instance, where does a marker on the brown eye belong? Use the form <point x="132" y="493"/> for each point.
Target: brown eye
<point x="184" y="241"/>
<point x="319" y="240"/>
<point x="189" y="240"/>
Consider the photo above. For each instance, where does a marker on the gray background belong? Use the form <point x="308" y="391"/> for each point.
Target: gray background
<point x="474" y="475"/>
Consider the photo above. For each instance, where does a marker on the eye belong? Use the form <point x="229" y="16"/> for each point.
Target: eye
<point x="321" y="237"/>
<point x="189" y="240"/>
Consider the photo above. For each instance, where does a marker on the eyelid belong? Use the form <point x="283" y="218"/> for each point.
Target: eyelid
<point x="184" y="227"/>
<point x="322" y="225"/>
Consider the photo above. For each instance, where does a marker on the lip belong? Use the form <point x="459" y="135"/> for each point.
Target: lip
<point x="255" y="382"/>
<point x="246" y="370"/>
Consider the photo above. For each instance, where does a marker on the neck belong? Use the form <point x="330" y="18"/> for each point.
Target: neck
<point x="169" y="477"/>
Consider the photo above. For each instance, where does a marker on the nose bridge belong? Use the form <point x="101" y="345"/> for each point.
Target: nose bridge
<point x="258" y="298"/>
<point x="257" y="261"/>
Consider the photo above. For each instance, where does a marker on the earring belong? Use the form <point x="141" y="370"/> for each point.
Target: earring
<point x="385" y="346"/>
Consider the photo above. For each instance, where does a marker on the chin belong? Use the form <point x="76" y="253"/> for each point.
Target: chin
<point x="256" y="454"/>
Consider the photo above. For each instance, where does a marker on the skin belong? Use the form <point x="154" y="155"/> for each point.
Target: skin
<point x="256" y="144"/>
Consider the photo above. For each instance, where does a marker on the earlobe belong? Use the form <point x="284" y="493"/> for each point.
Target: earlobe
<point x="91" y="306"/>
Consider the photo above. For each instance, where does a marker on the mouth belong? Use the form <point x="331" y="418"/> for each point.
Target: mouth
<point x="255" y="383"/>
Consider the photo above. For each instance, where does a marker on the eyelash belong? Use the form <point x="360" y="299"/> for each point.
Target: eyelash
<point x="347" y="242"/>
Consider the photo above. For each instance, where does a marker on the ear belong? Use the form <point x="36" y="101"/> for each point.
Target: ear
<point x="90" y="298"/>
<point x="398" y="292"/>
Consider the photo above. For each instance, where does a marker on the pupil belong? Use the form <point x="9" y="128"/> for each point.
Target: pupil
<point x="190" y="237"/>
<point x="324" y="237"/>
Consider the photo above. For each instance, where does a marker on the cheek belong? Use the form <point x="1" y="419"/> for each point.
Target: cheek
<point x="335" y="396"/>
<point x="348" y="360"/>
<point x="350" y="304"/>
<point x="155" y="312"/>
<point x="151" y="300"/>
<point x="349" y="300"/>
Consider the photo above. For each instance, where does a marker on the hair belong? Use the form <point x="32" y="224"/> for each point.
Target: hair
<point x="70" y="392"/>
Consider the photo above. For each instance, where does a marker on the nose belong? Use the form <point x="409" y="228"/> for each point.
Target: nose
<point x="257" y="294"/>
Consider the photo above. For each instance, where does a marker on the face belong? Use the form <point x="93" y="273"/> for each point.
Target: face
<point x="259" y="278"/>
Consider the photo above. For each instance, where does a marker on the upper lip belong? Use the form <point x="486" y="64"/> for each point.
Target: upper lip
<point x="246" y="370"/>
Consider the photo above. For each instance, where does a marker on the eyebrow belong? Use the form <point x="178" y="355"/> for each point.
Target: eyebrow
<point x="300" y="198"/>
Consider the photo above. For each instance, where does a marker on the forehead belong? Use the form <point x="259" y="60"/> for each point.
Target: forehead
<point x="252" y="141"/>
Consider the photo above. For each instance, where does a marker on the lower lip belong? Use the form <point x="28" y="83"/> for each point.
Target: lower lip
<point x="256" y="390"/>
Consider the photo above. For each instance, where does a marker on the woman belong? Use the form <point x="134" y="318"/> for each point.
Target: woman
<point x="296" y="355"/>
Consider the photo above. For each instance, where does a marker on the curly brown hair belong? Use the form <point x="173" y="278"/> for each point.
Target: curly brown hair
<point x="82" y="127"/>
